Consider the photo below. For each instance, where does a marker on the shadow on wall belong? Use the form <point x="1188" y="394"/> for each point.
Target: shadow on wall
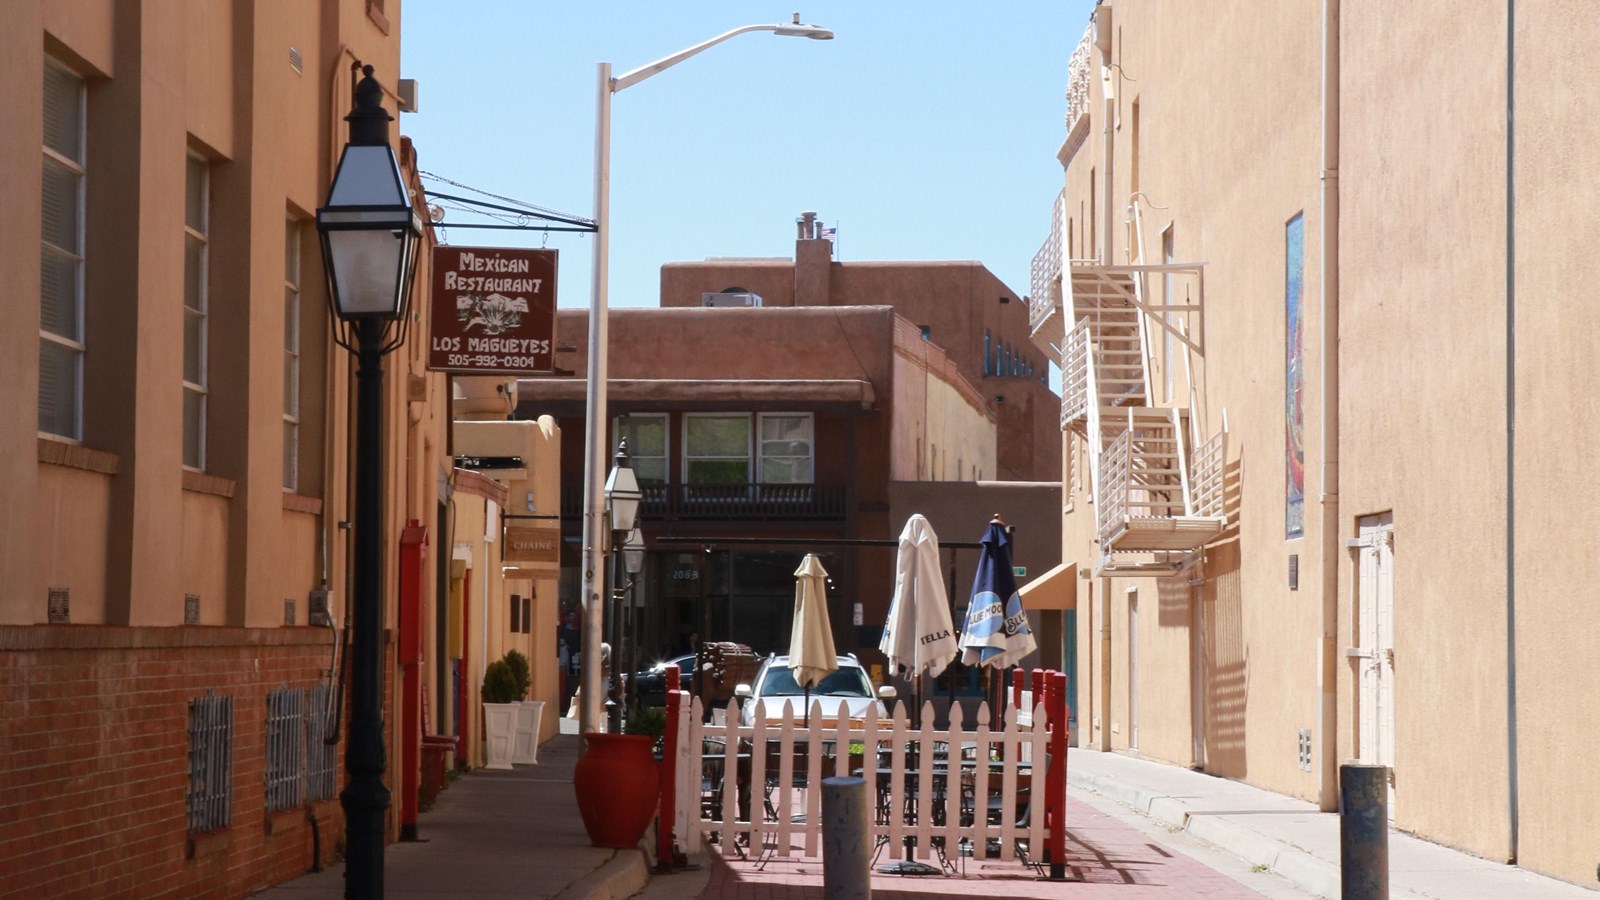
<point x="1226" y="663"/>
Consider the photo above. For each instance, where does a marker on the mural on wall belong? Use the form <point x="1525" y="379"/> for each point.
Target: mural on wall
<point x="1294" y="380"/>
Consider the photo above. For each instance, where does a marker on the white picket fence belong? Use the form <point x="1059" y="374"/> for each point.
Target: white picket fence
<point x="926" y="784"/>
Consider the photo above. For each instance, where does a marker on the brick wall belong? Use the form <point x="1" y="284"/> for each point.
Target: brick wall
<point x="94" y="751"/>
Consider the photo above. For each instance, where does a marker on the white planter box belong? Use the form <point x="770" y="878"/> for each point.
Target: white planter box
<point x="525" y="739"/>
<point x="500" y="721"/>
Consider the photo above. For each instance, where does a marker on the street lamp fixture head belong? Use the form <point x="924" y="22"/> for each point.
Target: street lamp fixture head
<point x="797" y="29"/>
<point x="370" y="232"/>
<point x="622" y="491"/>
<point x="633" y="552"/>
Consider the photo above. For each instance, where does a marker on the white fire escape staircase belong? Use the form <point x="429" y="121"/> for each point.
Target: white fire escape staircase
<point x="1157" y="485"/>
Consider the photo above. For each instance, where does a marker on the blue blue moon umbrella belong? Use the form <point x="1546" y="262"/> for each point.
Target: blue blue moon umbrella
<point x="996" y="631"/>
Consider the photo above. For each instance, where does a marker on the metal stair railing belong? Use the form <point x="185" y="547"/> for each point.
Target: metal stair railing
<point x="1075" y="374"/>
<point x="1111" y="493"/>
<point x="1210" y="462"/>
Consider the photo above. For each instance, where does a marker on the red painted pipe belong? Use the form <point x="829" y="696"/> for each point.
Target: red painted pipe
<point x="669" y="774"/>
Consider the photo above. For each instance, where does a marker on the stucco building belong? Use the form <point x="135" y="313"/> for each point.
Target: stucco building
<point x="775" y="404"/>
<point x="1302" y="278"/>
<point x="175" y="438"/>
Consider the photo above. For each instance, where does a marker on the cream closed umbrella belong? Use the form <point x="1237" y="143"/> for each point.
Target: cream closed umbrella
<point x="811" y="653"/>
<point x="918" y="636"/>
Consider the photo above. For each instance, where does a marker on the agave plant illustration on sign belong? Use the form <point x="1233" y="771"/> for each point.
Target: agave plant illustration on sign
<point x="497" y="313"/>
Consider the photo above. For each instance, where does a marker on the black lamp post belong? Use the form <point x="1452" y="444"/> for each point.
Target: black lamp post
<point x="622" y="510"/>
<point x="633" y="562"/>
<point x="370" y="236"/>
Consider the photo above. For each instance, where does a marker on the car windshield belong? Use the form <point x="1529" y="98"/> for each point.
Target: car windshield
<point x="847" y="681"/>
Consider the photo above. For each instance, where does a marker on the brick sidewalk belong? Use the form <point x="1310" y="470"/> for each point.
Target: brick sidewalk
<point x="1105" y="859"/>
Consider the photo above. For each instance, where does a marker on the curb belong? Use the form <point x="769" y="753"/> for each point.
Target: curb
<point x="626" y="873"/>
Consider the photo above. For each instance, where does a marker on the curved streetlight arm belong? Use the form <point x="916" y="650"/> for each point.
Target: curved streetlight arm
<point x="591" y="710"/>
<point x="795" y="29"/>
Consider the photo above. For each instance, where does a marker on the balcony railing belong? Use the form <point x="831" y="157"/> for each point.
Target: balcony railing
<point x="724" y="502"/>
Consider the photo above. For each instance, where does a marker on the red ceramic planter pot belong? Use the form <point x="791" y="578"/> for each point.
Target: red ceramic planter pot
<point x="618" y="784"/>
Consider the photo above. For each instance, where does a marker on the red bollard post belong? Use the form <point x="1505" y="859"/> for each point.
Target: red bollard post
<point x="1056" y="778"/>
<point x="669" y="774"/>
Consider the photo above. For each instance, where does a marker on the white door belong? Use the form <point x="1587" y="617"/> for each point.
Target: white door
<point x="1374" y="657"/>
<point x="1133" y="668"/>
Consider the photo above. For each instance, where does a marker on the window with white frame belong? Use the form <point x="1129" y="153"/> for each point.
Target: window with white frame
<point x="786" y="442"/>
<point x="61" y="347"/>
<point x="291" y="355"/>
<point x="196" y="252"/>
<point x="646" y="434"/>
<point x="716" y="448"/>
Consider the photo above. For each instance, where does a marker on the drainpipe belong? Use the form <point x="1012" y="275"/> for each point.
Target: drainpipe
<point x="1108" y="163"/>
<point x="1328" y="658"/>
<point x="1511" y="430"/>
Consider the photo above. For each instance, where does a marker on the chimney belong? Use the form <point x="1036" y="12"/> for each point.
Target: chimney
<point x="813" y="264"/>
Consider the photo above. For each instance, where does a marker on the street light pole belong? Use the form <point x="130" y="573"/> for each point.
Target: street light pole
<point x="365" y="798"/>
<point x="595" y="591"/>
<point x="370" y="239"/>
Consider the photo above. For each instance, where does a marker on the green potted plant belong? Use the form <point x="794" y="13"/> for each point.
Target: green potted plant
<point x="500" y="700"/>
<point x="650" y="721"/>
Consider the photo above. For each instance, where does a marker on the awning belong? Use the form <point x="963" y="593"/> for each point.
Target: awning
<point x="1055" y="589"/>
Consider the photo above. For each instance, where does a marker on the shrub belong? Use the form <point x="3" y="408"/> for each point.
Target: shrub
<point x="499" y="684"/>
<point x="521" y="671"/>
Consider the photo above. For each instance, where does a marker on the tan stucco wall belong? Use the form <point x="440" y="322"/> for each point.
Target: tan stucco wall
<point x="1558" y="696"/>
<point x="941" y="430"/>
<point x="68" y="546"/>
<point x="539" y="493"/>
<point x="1233" y="151"/>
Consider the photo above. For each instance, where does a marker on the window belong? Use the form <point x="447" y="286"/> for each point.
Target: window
<point x="785" y="448"/>
<point x="322" y="755"/>
<point x="61" y="256"/>
<point x="716" y="448"/>
<point x="646" y="435"/>
<point x="286" y="747"/>
<point x="291" y="355"/>
<point x="210" y="801"/>
<point x="196" y="249"/>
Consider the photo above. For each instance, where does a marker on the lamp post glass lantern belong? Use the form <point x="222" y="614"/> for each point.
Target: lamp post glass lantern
<point x="622" y="497"/>
<point x="596" y="380"/>
<point x="370" y="235"/>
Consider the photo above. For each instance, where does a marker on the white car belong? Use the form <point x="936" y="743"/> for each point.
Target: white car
<point x="846" y="691"/>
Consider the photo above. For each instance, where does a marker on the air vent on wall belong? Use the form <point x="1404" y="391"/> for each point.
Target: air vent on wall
<point x="729" y="298"/>
<point x="288" y="610"/>
<point x="191" y="609"/>
<point x="59" y="606"/>
<point x="295" y="62"/>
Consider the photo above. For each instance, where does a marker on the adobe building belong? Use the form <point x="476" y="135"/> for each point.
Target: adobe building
<point x="176" y="441"/>
<point x="1318" y="385"/>
<point x="761" y="431"/>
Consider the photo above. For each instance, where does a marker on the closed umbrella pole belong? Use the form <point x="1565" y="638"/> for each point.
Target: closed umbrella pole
<point x="811" y="652"/>
<point x="996" y="632"/>
<point x="918" y="636"/>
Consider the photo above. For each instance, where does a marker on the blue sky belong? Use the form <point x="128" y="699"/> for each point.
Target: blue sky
<point x="922" y="131"/>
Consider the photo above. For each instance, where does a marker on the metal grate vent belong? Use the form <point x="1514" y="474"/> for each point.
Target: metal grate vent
<point x="295" y="62"/>
<point x="322" y="742"/>
<point x="1294" y="571"/>
<point x="288" y="610"/>
<point x="210" y="762"/>
<point x="286" y="708"/>
<point x="59" y="606"/>
<point x="191" y="609"/>
<point x="1305" y="750"/>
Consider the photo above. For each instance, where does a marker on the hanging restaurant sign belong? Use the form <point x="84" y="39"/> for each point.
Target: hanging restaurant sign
<point x="494" y="310"/>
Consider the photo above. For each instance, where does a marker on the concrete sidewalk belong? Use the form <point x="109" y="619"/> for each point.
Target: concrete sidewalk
<point x="505" y="834"/>
<point x="1292" y="838"/>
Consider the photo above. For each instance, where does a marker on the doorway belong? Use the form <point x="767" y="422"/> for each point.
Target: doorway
<point x="1374" y="653"/>
<point x="1133" y="668"/>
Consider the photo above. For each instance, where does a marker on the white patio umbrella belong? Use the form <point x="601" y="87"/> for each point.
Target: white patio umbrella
<point x="918" y="635"/>
<point x="811" y="652"/>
